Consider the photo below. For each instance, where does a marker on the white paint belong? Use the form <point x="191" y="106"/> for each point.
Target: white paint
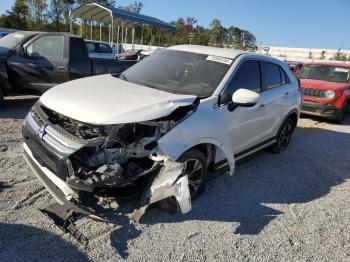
<point x="244" y="96"/>
<point x="109" y="100"/>
<point x="106" y="100"/>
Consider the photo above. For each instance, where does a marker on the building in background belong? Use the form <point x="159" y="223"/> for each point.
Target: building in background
<point x="302" y="54"/>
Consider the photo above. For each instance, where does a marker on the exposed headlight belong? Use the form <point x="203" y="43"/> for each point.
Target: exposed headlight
<point x="329" y="94"/>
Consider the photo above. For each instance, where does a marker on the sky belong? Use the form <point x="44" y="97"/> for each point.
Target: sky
<point x="287" y="23"/>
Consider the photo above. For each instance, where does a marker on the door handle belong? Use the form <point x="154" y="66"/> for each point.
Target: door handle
<point x="286" y="93"/>
<point x="261" y="105"/>
<point x="61" y="68"/>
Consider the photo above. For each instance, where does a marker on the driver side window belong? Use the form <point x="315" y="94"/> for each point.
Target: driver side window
<point x="247" y="77"/>
<point x="47" y="47"/>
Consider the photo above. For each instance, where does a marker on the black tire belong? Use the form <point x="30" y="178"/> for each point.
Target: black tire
<point x="340" y="117"/>
<point x="2" y="95"/>
<point x="197" y="179"/>
<point x="284" y="136"/>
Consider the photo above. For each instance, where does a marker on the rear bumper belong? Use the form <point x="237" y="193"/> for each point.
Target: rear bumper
<point x="318" y="109"/>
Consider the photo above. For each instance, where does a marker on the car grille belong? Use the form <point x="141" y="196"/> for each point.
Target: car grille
<point x="308" y="91"/>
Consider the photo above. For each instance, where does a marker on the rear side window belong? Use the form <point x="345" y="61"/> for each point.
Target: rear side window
<point x="272" y="75"/>
<point x="247" y="77"/>
<point x="105" y="48"/>
<point x="91" y="47"/>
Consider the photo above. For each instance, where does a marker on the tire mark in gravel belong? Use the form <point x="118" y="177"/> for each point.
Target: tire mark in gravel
<point x="22" y="181"/>
<point x="29" y="198"/>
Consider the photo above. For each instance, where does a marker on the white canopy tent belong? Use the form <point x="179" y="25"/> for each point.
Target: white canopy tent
<point x="114" y="17"/>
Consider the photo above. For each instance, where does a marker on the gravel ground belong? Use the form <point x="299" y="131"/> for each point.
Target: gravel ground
<point x="289" y="207"/>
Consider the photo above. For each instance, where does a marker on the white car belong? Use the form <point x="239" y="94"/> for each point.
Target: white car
<point x="154" y="132"/>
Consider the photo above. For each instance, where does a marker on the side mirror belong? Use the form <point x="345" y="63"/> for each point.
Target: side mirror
<point x="28" y="51"/>
<point x="245" y="98"/>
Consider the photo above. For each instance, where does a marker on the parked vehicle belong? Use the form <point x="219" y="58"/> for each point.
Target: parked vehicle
<point x="326" y="90"/>
<point x="39" y="61"/>
<point x="118" y="48"/>
<point x="132" y="54"/>
<point x="99" y="50"/>
<point x="154" y="132"/>
<point x="294" y="66"/>
<point x="6" y="31"/>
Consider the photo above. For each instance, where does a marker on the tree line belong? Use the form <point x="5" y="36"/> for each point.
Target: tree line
<point x="53" y="15"/>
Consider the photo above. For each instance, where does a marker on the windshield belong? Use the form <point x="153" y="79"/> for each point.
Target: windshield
<point x="325" y="73"/>
<point x="179" y="72"/>
<point x="9" y="41"/>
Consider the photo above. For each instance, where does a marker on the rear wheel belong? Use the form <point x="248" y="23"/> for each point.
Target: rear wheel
<point x="284" y="136"/>
<point x="196" y="170"/>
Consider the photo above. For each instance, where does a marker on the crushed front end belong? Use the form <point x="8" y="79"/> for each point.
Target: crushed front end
<point x="81" y="164"/>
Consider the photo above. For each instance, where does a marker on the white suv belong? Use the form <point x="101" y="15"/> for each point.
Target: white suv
<point x="153" y="132"/>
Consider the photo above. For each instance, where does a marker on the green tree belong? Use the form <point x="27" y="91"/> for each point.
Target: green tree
<point x="217" y="33"/>
<point x="248" y="40"/>
<point x="38" y="10"/>
<point x="340" y="56"/>
<point x="201" y="36"/>
<point x="323" y="55"/>
<point x="56" y="14"/>
<point x="134" y="7"/>
<point x="18" y="17"/>
<point x="310" y="56"/>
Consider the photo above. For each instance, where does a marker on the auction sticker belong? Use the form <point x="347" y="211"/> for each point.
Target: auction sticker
<point x="219" y="59"/>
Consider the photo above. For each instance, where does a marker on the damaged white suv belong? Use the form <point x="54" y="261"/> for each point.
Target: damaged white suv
<point x="153" y="132"/>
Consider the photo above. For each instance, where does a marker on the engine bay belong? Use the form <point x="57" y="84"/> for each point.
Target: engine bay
<point x="116" y="160"/>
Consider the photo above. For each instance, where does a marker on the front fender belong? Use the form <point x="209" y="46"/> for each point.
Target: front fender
<point x="205" y="126"/>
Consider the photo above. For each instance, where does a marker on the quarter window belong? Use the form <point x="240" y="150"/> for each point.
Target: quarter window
<point x="105" y="48"/>
<point x="91" y="47"/>
<point x="247" y="77"/>
<point x="284" y="77"/>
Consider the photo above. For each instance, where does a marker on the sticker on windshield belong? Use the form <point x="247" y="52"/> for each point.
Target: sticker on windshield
<point x="219" y="59"/>
<point x="18" y="35"/>
<point x="341" y="69"/>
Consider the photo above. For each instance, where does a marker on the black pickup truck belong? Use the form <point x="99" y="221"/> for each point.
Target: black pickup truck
<point x="38" y="60"/>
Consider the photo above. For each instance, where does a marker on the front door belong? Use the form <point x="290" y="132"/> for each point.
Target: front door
<point x="44" y="63"/>
<point x="243" y="124"/>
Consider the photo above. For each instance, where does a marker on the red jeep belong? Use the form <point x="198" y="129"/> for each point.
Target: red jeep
<point x="326" y="89"/>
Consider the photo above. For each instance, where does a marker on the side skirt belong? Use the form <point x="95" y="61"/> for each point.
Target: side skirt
<point x="255" y="148"/>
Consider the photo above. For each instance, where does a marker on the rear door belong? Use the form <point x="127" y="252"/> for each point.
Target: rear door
<point x="79" y="61"/>
<point x="45" y="61"/>
<point x="244" y="124"/>
<point x="274" y="97"/>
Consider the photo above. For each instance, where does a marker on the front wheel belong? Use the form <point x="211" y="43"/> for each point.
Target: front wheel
<point x="340" y="117"/>
<point x="196" y="170"/>
<point x="284" y="136"/>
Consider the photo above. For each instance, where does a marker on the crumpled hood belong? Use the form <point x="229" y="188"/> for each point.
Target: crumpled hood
<point x="107" y="100"/>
